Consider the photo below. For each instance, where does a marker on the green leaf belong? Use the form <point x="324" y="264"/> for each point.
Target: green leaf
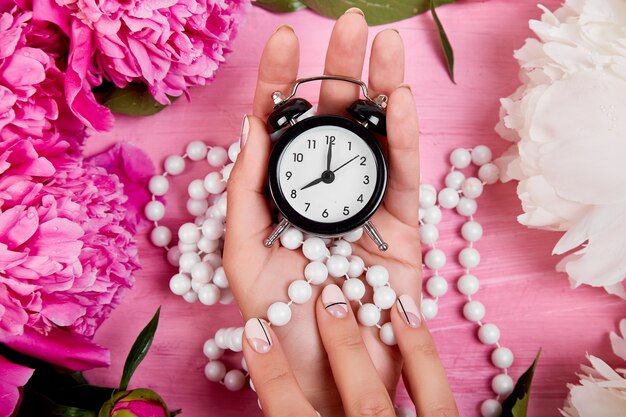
<point x="139" y="350"/>
<point x="448" y="53"/>
<point x="133" y="100"/>
<point x="377" y="12"/>
<point x="280" y="6"/>
<point x="516" y="404"/>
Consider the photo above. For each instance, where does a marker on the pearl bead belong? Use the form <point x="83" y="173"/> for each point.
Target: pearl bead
<point x="226" y="296"/>
<point x="472" y="187"/>
<point x="357" y="266"/>
<point x="432" y="215"/>
<point x="314" y="249"/>
<point x="222" y="205"/>
<point x="161" y="236"/>
<point x="190" y="296"/>
<point x="368" y="315"/>
<point x="208" y="245"/>
<point x="202" y="272"/>
<point x="174" y="164"/>
<point x="428" y="187"/>
<point x="489" y="334"/>
<point x="217" y="156"/>
<point x="244" y="365"/>
<point x="502" y="357"/>
<point x="384" y="297"/>
<point x="455" y="179"/>
<point x="197" y="207"/>
<point x="197" y="285"/>
<point x="180" y="284"/>
<point x="214" y="183"/>
<point x="429" y="308"/>
<point x="233" y="151"/>
<point x="427" y="198"/>
<point x="196" y="190"/>
<point x="173" y="255"/>
<point x="502" y="384"/>
<point x="226" y="171"/>
<point x="187" y="247"/>
<point x="472" y="231"/>
<point x="437" y="286"/>
<point x="337" y="266"/>
<point x="211" y="350"/>
<point x="466" y="207"/>
<point x="491" y="408"/>
<point x="377" y="276"/>
<point x="214" y="371"/>
<point x="387" y="335"/>
<point x="253" y="389"/>
<point x="481" y="155"/>
<point x="292" y="238"/>
<point x="299" y="291"/>
<point x="354" y="235"/>
<point x="212" y="229"/>
<point x="489" y="173"/>
<point x="474" y="310"/>
<point x="234" y="380"/>
<point x="468" y="284"/>
<point x="188" y="233"/>
<point x="342" y="248"/>
<point x="448" y="198"/>
<point x="428" y="234"/>
<point x="316" y="272"/>
<point x="220" y="340"/>
<point x="404" y="412"/>
<point x="279" y="313"/>
<point x="460" y="158"/>
<point x="353" y="289"/>
<point x="154" y="210"/>
<point x="219" y="278"/>
<point x="435" y="259"/>
<point x="215" y="259"/>
<point x="469" y="258"/>
<point x="199" y="220"/>
<point x="158" y="185"/>
<point x="209" y="294"/>
<point x="236" y="340"/>
<point x="196" y="150"/>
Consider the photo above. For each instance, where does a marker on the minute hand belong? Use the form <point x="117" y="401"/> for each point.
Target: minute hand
<point x="344" y="164"/>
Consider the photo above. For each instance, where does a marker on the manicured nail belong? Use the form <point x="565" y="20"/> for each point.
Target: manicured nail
<point x="354" y="10"/>
<point x="334" y="301"/>
<point x="408" y="310"/>
<point x="285" y="26"/>
<point x="258" y="336"/>
<point x="245" y="129"/>
<point x="405" y="85"/>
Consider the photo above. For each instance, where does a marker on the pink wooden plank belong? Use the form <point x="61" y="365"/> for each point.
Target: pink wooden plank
<point x="531" y="303"/>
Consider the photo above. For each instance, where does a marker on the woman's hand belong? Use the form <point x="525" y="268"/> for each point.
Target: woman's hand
<point x="260" y="276"/>
<point x="361" y="390"/>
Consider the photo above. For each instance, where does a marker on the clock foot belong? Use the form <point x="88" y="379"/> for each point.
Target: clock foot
<point x="375" y="236"/>
<point x="282" y="226"/>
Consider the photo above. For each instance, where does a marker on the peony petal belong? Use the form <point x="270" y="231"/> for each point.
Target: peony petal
<point x="59" y="240"/>
<point x="591" y="400"/>
<point x="14" y="377"/>
<point x="619" y="343"/>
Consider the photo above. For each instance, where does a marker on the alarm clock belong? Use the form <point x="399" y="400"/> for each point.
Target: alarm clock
<point x="327" y="174"/>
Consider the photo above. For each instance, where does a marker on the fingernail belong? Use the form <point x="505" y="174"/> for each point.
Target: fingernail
<point x="408" y="310"/>
<point x="258" y="336"/>
<point x="285" y="26"/>
<point x="334" y="301"/>
<point x="354" y="10"/>
<point x="405" y="85"/>
<point x="245" y="129"/>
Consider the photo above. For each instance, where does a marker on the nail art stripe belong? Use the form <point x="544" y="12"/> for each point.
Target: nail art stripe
<point x="406" y="316"/>
<point x="269" y="342"/>
<point x="337" y="303"/>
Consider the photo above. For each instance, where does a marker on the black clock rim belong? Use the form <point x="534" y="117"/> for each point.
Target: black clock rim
<point x="343" y="226"/>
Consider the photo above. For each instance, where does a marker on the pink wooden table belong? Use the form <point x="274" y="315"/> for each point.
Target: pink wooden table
<point x="532" y="304"/>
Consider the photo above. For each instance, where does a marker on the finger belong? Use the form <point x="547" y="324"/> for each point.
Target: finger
<point x="386" y="70"/>
<point x="278" y="69"/>
<point x="427" y="381"/>
<point x="361" y="389"/>
<point x="246" y="189"/>
<point x="273" y="380"/>
<point x="402" y="199"/>
<point x="345" y="56"/>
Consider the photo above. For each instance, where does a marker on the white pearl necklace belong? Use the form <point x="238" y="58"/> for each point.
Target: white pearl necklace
<point x="201" y="276"/>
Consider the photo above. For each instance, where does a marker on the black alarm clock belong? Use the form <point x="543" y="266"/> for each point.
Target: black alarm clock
<point x="327" y="174"/>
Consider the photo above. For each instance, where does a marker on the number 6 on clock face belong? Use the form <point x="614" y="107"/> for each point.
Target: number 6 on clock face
<point x="327" y="175"/>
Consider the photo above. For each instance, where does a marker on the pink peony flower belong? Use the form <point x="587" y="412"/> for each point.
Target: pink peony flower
<point x="139" y="402"/>
<point x="13" y="378"/>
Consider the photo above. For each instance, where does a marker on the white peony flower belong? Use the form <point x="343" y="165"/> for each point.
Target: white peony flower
<point x="568" y="120"/>
<point x="601" y="391"/>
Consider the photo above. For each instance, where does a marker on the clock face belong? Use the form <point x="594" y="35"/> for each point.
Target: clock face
<point x="330" y="175"/>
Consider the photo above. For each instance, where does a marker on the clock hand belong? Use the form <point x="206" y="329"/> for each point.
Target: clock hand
<point x="329" y="155"/>
<point x="312" y="183"/>
<point x="341" y="166"/>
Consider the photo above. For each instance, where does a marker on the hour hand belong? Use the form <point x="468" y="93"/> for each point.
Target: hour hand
<point x="312" y="183"/>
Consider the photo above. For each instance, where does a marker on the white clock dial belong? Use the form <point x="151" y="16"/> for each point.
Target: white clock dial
<point x="321" y="194"/>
